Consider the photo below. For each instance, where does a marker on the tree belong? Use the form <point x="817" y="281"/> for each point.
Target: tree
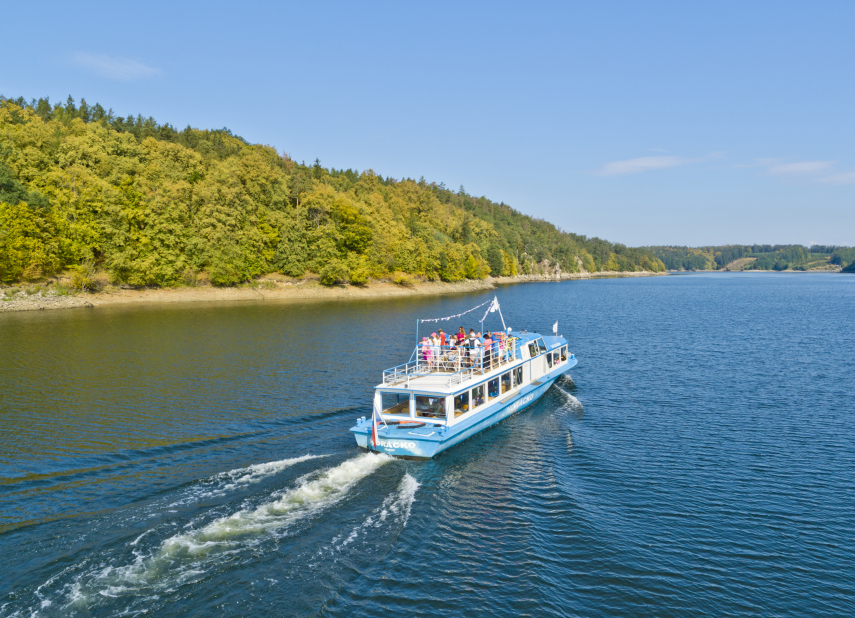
<point x="496" y="261"/>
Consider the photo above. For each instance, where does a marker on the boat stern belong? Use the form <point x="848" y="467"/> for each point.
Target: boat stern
<point x="406" y="443"/>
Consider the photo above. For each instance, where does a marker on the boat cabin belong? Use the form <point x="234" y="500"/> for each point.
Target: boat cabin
<point x="444" y="385"/>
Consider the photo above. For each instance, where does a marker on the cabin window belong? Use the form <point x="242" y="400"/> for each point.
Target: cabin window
<point x="549" y="360"/>
<point x="564" y="354"/>
<point x="428" y="406"/>
<point x="507" y="384"/>
<point x="493" y="388"/>
<point x="477" y="396"/>
<point x="532" y="349"/>
<point x="461" y="404"/>
<point x="541" y="345"/>
<point x="395" y="403"/>
<point x="518" y="376"/>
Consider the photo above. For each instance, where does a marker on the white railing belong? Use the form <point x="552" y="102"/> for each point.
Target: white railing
<point x="452" y="364"/>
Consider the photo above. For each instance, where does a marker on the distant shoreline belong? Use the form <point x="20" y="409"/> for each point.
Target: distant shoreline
<point x="823" y="271"/>
<point x="279" y="291"/>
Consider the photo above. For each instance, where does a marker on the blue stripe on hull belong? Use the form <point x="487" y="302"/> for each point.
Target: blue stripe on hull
<point x="418" y="443"/>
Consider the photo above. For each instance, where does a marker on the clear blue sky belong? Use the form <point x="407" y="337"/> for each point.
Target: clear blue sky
<point x="640" y="122"/>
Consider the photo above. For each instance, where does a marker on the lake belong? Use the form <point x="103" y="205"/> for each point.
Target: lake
<point x="194" y="460"/>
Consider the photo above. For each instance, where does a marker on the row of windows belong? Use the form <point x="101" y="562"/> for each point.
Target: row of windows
<point x="557" y="357"/>
<point x="433" y="407"/>
<point x="475" y="398"/>
<point x="536" y="347"/>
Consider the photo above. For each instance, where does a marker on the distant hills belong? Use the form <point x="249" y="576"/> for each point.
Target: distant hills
<point x="147" y="204"/>
<point x="757" y="257"/>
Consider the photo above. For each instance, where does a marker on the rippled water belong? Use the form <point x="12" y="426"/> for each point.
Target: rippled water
<point x="195" y="460"/>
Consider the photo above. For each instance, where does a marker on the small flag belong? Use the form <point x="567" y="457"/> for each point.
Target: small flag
<point x="555" y="328"/>
<point x="376" y="419"/>
<point x="495" y="305"/>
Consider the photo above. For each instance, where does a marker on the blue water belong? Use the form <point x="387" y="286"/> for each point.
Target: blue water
<point x="195" y="460"/>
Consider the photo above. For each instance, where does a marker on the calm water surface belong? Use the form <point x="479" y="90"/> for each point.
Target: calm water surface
<point x="195" y="460"/>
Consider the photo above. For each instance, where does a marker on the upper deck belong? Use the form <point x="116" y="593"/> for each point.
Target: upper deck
<point x="447" y="369"/>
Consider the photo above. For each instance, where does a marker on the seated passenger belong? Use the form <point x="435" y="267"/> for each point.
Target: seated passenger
<point x="453" y="354"/>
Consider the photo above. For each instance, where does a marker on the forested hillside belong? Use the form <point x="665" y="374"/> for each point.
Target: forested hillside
<point x="756" y="257"/>
<point x="152" y="205"/>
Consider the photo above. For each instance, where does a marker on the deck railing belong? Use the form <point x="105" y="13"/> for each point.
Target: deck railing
<point x="452" y="364"/>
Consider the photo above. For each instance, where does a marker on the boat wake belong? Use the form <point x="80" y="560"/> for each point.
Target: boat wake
<point x="295" y="504"/>
<point x="225" y="482"/>
<point x="187" y="556"/>
<point x="570" y="402"/>
<point x="566" y="381"/>
<point x="396" y="507"/>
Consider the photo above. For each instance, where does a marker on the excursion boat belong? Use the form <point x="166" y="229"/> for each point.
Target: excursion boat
<point x="446" y="394"/>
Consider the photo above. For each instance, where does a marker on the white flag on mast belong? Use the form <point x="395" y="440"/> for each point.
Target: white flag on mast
<point x="555" y="327"/>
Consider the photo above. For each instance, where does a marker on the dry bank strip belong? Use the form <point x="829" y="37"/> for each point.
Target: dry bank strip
<point x="266" y="289"/>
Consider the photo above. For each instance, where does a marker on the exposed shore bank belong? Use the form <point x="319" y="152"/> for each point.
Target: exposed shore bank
<point x="273" y="290"/>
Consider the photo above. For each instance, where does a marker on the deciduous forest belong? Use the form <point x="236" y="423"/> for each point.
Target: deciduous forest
<point x="81" y="187"/>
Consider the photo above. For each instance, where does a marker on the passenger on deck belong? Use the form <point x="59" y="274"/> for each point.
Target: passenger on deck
<point x="426" y="352"/>
<point x="442" y="340"/>
<point x="436" y="350"/>
<point x="461" y="335"/>
<point x="474" y="345"/>
<point x="488" y="352"/>
<point x="453" y="354"/>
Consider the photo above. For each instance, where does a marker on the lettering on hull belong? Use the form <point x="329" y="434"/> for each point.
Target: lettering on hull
<point x="393" y="445"/>
<point x="518" y="404"/>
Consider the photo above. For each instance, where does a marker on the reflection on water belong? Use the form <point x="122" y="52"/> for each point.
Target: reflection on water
<point x="196" y="460"/>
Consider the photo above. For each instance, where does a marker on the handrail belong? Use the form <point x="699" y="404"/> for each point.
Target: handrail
<point x="453" y="364"/>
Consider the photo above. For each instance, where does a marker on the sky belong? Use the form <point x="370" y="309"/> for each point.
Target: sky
<point x="645" y="123"/>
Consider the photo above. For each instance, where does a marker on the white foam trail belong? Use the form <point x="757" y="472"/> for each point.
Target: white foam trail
<point x="180" y="559"/>
<point x="402" y="506"/>
<point x="397" y="505"/>
<point x="565" y="379"/>
<point x="570" y="401"/>
<point x="239" y="478"/>
<point x="242" y="477"/>
<point x="294" y="504"/>
<point x="137" y="540"/>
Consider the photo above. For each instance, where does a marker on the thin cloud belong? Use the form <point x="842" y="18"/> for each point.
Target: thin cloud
<point x="798" y="169"/>
<point x="641" y="164"/>
<point x="644" y="164"/>
<point x="844" y="178"/>
<point x="817" y="172"/>
<point x="115" y="67"/>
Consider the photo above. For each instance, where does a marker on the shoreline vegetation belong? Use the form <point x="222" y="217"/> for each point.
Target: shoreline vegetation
<point x="739" y="258"/>
<point x="273" y="288"/>
<point x="107" y="200"/>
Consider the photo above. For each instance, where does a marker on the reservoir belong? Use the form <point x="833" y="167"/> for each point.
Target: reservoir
<point x="195" y="460"/>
